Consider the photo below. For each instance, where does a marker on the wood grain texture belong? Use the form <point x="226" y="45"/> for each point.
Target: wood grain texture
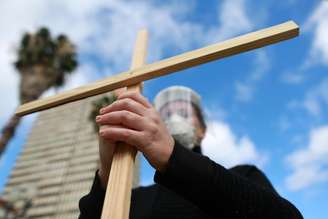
<point x="118" y="192"/>
<point x="230" y="47"/>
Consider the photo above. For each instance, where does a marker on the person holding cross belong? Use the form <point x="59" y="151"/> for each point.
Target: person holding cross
<point x="188" y="184"/>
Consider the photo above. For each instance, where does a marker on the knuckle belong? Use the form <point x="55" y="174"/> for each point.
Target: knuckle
<point x="129" y="116"/>
<point x="152" y="129"/>
<point x="157" y="120"/>
<point x="125" y="103"/>
<point x="125" y="115"/>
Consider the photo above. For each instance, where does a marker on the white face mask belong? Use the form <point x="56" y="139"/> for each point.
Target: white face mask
<point x="182" y="130"/>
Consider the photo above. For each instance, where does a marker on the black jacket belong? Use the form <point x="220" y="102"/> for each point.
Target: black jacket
<point x="193" y="186"/>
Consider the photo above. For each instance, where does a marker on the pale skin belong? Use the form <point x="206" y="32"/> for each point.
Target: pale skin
<point x="133" y="120"/>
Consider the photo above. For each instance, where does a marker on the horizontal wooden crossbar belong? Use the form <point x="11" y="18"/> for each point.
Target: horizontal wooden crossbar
<point x="230" y="47"/>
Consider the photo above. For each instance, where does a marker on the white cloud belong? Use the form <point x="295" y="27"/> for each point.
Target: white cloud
<point x="81" y="76"/>
<point x="295" y="77"/>
<point x="106" y="29"/>
<point x="229" y="14"/>
<point x="245" y="89"/>
<point x="224" y="147"/>
<point x="309" y="164"/>
<point x="318" y="24"/>
<point x="314" y="102"/>
<point x="316" y="98"/>
<point x="214" y="111"/>
<point x="9" y="96"/>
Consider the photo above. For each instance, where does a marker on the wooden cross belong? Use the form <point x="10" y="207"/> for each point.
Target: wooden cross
<point x="118" y="193"/>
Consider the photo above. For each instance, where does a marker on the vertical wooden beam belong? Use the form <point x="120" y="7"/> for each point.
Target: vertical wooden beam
<point x="118" y="193"/>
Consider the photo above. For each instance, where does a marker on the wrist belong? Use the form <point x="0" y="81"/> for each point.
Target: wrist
<point x="166" y="156"/>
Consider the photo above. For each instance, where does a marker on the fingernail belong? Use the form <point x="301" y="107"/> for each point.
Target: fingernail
<point x="98" y="118"/>
<point x="101" y="133"/>
<point x="101" y="110"/>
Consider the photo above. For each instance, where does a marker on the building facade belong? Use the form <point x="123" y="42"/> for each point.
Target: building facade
<point x="58" y="162"/>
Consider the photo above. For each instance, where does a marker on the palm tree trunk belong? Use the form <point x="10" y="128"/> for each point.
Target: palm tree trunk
<point x="33" y="83"/>
<point x="8" y="132"/>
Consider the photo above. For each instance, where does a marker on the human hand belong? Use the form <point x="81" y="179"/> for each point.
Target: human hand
<point x="133" y="120"/>
<point x="106" y="150"/>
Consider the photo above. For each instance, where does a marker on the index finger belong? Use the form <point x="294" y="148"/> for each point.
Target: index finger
<point x="137" y="97"/>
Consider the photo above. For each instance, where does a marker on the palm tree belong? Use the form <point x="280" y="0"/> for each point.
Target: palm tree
<point x="42" y="62"/>
<point x="97" y="105"/>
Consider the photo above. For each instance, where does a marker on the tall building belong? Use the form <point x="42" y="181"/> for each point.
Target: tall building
<point x="58" y="162"/>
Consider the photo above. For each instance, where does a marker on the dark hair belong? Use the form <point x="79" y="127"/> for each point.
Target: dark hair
<point x="200" y="115"/>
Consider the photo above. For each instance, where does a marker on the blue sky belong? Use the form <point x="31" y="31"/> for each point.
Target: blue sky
<point x="266" y="107"/>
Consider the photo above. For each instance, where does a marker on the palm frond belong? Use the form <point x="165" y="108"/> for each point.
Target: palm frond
<point x="97" y="105"/>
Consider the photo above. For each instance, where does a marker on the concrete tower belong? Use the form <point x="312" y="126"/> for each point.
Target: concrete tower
<point x="58" y="162"/>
